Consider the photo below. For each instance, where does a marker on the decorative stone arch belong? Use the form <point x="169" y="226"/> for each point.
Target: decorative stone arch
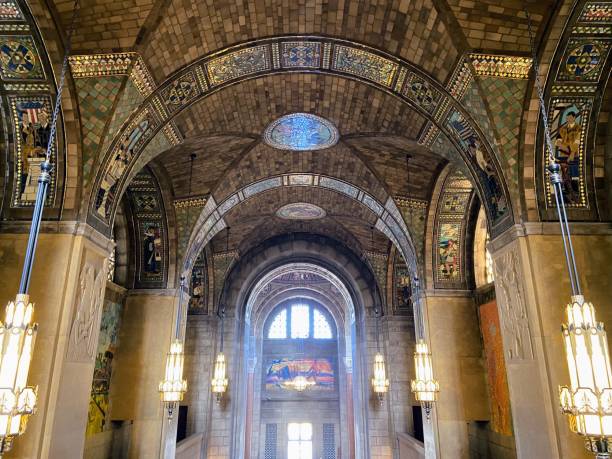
<point x="570" y="29"/>
<point x="389" y="221"/>
<point x="257" y="58"/>
<point x="326" y="257"/>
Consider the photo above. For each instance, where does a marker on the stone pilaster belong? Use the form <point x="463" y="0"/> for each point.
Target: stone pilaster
<point x="67" y="287"/>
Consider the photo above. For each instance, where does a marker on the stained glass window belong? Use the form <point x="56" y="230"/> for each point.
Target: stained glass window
<point x="300" y="321"/>
<point x="322" y="329"/>
<point x="278" y="328"/>
<point x="300" y="440"/>
<point x="301" y="131"/>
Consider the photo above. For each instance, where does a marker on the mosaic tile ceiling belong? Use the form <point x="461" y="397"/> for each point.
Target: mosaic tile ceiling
<point x="301" y="131"/>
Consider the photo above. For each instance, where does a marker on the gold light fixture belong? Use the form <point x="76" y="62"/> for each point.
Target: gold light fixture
<point x="380" y="383"/>
<point x="220" y="381"/>
<point x="424" y="386"/>
<point x="17" y="400"/>
<point x="173" y="387"/>
<point x="300" y="383"/>
<point x="18" y="332"/>
<point x="587" y="401"/>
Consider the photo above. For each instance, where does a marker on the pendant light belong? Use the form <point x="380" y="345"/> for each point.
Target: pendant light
<point x="424" y="387"/>
<point x="173" y="387"/>
<point x="220" y="381"/>
<point x="18" y="331"/>
<point x="587" y="400"/>
<point x="380" y="383"/>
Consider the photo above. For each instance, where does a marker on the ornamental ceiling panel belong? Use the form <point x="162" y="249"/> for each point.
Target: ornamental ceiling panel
<point x="264" y="161"/>
<point x="251" y="106"/>
<point x="413" y="30"/>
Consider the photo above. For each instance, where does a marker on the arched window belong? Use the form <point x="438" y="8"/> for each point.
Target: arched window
<point x="300" y="320"/>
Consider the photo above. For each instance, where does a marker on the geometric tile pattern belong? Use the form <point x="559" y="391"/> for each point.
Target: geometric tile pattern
<point x="96" y="99"/>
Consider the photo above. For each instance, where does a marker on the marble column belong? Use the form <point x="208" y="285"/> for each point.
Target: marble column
<point x="532" y="289"/>
<point x="67" y="287"/>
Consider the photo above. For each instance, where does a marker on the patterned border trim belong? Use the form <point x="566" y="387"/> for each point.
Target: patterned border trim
<point x="96" y="65"/>
<point x="189" y="202"/>
<point x="501" y="66"/>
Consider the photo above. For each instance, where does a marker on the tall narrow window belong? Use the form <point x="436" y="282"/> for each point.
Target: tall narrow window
<point x="300" y="321"/>
<point x="322" y="329"/>
<point x="300" y="440"/>
<point x="278" y="328"/>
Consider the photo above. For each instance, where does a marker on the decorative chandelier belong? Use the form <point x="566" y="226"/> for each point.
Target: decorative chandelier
<point x="18" y="332"/>
<point x="380" y="383"/>
<point x="173" y="387"/>
<point x="425" y="388"/>
<point x="587" y="401"/>
<point x="220" y="381"/>
<point x="300" y="383"/>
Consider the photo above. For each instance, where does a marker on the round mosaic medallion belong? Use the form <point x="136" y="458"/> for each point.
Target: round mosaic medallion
<point x="17" y="58"/>
<point x="300" y="211"/>
<point x="301" y="131"/>
<point x="583" y="59"/>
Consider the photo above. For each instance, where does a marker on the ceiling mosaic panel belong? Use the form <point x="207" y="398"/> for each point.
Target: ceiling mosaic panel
<point x="301" y="131"/>
<point x="414" y="212"/>
<point x="300" y="211"/>
<point x="10" y="11"/>
<point x="19" y="58"/>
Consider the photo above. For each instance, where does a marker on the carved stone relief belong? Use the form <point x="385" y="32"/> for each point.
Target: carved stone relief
<point x="90" y="296"/>
<point x="512" y="307"/>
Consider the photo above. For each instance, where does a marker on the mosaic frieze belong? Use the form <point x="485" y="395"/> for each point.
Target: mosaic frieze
<point x="364" y="64"/>
<point x="180" y="92"/>
<point x="198" y="286"/>
<point x="239" y="63"/>
<point x="96" y="65"/>
<point x="301" y="54"/>
<point x="140" y="130"/>
<point x="31" y="120"/>
<point x="501" y="66"/>
<point x="583" y="60"/>
<point x="568" y="118"/>
<point x="597" y="13"/>
<point x="10" y="11"/>
<point x="19" y="58"/>
<point x="456" y="202"/>
<point x="470" y="143"/>
<point x="419" y="91"/>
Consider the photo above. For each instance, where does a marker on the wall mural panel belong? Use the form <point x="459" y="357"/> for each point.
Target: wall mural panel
<point x="151" y="238"/>
<point x="451" y="220"/>
<point x="501" y="417"/>
<point x="97" y="417"/>
<point x="402" y="287"/>
<point x="280" y="372"/>
<point x="198" y="289"/>
<point x="23" y="69"/>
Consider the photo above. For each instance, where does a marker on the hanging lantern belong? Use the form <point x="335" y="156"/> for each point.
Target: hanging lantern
<point x="588" y="399"/>
<point x="424" y="387"/>
<point x="220" y="381"/>
<point x="380" y="383"/>
<point x="17" y="400"/>
<point x="173" y="387"/>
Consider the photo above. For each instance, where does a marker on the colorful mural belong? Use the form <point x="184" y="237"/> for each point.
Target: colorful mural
<point x="97" y="417"/>
<point x="448" y="249"/>
<point x="568" y="126"/>
<point x="300" y="211"/>
<point x="198" y="288"/>
<point x="402" y="287"/>
<point x="301" y="131"/>
<point x="501" y="417"/>
<point x="280" y="372"/>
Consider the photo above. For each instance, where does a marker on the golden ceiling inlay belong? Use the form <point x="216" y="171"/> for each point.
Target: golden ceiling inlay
<point x="501" y="66"/>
